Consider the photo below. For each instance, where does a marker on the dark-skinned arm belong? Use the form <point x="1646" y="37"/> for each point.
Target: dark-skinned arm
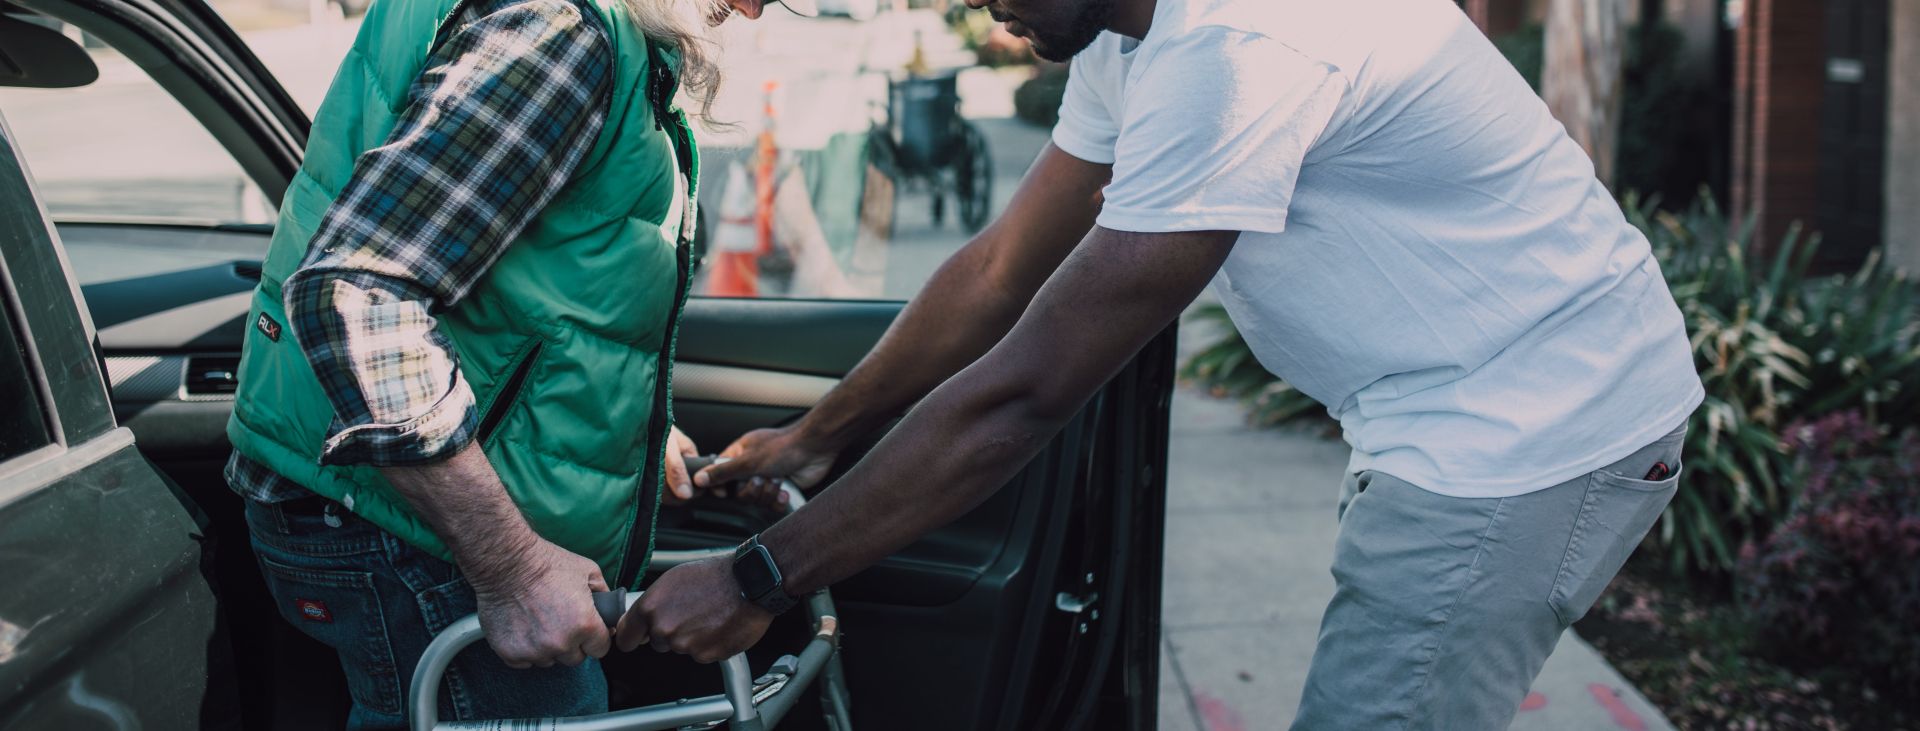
<point x="970" y="302"/>
<point x="960" y="444"/>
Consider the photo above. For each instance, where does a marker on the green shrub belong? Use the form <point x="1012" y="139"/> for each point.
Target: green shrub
<point x="1839" y="580"/>
<point x="976" y="31"/>
<point x="1228" y="369"/>
<point x="1751" y="374"/>
<point x="1666" y="115"/>
<point x="1038" y="99"/>
<point x="1526" y="49"/>
<point x="1774" y="345"/>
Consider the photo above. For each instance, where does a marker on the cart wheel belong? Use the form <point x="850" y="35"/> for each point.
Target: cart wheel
<point x="973" y="180"/>
<point x="882" y="152"/>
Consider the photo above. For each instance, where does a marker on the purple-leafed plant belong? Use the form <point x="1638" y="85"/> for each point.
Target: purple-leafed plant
<point x="1838" y="582"/>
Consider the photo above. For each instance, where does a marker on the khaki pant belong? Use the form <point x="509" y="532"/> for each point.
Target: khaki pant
<point x="1446" y="608"/>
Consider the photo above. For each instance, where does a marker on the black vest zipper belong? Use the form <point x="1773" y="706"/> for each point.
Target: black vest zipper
<point x="507" y="393"/>
<point x="648" y="496"/>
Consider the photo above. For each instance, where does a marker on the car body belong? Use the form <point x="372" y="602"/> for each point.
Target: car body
<point x="132" y="596"/>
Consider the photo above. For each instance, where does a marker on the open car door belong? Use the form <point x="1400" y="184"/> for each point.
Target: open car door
<point x="1039" y="609"/>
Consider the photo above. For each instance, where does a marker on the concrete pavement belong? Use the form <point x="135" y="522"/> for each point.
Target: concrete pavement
<point x="1250" y="533"/>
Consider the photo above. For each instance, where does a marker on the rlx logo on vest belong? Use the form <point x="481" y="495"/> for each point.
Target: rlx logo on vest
<point x="268" y="327"/>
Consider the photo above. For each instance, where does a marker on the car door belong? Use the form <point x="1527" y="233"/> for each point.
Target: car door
<point x="1037" y="610"/>
<point x="101" y="557"/>
<point x="159" y="203"/>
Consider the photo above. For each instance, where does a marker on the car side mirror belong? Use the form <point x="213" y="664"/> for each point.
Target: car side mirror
<point x="37" y="56"/>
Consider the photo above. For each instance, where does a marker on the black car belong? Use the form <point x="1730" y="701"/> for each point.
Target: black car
<point x="131" y="599"/>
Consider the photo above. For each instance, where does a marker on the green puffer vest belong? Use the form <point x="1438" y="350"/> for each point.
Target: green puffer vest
<point x="567" y="342"/>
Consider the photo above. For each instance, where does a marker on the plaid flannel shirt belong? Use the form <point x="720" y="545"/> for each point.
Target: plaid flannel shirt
<point x="509" y="103"/>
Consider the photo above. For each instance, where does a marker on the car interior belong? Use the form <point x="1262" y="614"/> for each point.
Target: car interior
<point x="995" y="621"/>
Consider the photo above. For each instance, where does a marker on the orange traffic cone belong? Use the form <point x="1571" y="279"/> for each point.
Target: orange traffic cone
<point x="745" y="232"/>
<point x="734" y="267"/>
<point x="766" y="157"/>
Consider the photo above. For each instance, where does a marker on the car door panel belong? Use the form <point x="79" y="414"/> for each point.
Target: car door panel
<point x="964" y="621"/>
<point x="102" y="558"/>
<point x="105" y="580"/>
<point x="819" y="337"/>
<point x="158" y="328"/>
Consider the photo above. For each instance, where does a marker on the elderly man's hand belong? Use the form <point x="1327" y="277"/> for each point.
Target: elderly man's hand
<point x="679" y="487"/>
<point x="696" y="610"/>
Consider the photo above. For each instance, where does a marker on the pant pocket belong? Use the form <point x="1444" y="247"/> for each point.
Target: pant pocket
<point x="1615" y="515"/>
<point x="342" y="610"/>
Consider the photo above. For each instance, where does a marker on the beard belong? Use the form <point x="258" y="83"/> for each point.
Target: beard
<point x="1059" y="44"/>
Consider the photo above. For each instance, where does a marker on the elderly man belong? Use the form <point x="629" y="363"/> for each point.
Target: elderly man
<point x="1397" y="226"/>
<point x="454" y="394"/>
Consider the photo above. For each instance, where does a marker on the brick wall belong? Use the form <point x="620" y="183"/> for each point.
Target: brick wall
<point x="1903" y="137"/>
<point x="1779" y="78"/>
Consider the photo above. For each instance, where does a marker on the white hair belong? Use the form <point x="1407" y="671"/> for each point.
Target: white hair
<point x="683" y="25"/>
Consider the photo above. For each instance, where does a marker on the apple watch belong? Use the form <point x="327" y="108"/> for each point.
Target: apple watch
<point x="759" y="578"/>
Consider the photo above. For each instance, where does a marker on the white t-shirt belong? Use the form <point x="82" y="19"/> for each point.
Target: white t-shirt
<point x="1423" y="249"/>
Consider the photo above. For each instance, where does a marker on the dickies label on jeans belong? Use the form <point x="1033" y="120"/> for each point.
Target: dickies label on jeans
<point x="313" y="610"/>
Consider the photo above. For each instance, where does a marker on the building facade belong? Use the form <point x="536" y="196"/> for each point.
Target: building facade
<point x="1823" y="124"/>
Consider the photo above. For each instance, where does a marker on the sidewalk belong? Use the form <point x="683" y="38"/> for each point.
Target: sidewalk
<point x="1250" y="533"/>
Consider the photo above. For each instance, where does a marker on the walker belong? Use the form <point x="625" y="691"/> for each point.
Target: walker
<point x="749" y="703"/>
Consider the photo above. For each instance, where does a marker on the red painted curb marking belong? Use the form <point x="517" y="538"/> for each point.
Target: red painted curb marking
<point x="1216" y="714"/>
<point x="1623" y="716"/>
<point x="1534" y="702"/>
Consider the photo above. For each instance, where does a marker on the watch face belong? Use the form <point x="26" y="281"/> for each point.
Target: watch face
<point x="755" y="572"/>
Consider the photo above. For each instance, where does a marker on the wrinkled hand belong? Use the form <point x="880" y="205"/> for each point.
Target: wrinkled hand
<point x="696" y="610"/>
<point x="679" y="487"/>
<point x="755" y="464"/>
<point x="537" y="608"/>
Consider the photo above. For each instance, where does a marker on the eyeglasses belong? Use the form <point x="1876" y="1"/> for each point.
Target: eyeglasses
<point x="802" y="8"/>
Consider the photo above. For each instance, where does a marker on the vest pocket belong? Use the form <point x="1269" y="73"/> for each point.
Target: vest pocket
<point x="508" y="392"/>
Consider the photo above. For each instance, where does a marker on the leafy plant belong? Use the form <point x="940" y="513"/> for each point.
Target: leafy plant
<point x="1750" y="373"/>
<point x="1526" y="49"/>
<point x="991" y="44"/>
<point x="1227" y="368"/>
<point x="1774" y="344"/>
<point x="1840" y="578"/>
<point x="1038" y="99"/>
<point x="1666" y="116"/>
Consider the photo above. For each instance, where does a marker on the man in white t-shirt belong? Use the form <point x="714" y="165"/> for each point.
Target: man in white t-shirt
<point x="1398" y="228"/>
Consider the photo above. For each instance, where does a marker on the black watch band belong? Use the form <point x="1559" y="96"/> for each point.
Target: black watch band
<point x="759" y="577"/>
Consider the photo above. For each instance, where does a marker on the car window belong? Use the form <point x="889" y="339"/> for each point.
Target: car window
<point x="892" y="143"/>
<point x="122" y="147"/>
<point x="23" y="423"/>
<point x="893" y="128"/>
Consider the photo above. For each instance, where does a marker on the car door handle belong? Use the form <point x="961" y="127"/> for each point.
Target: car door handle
<point x="1075" y="604"/>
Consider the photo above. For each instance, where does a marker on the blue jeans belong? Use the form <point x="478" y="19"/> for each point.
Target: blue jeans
<point x="378" y="601"/>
